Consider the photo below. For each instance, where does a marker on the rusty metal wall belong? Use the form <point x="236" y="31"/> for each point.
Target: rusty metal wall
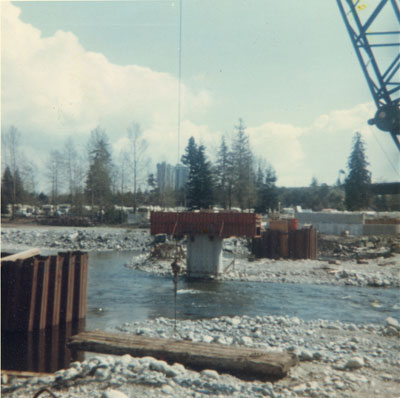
<point x="219" y="224"/>
<point x="286" y="225"/>
<point x="297" y="244"/>
<point x="40" y="350"/>
<point x="42" y="292"/>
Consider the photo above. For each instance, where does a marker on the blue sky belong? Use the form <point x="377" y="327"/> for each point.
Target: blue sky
<point x="286" y="67"/>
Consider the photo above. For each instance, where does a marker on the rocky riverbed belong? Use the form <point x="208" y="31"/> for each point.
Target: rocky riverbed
<point x="336" y="359"/>
<point x="378" y="272"/>
<point x="67" y="238"/>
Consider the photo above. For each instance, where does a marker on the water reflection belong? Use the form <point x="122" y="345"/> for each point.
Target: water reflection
<point x="42" y="351"/>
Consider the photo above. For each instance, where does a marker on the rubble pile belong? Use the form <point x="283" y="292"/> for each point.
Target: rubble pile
<point x="167" y="251"/>
<point x="85" y="239"/>
<point x="352" y="247"/>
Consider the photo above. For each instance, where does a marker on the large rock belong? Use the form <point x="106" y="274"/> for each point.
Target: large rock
<point x="354" y="363"/>
<point x="113" y="394"/>
<point x="392" y="322"/>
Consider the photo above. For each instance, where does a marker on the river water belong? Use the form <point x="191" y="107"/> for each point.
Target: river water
<point x="117" y="294"/>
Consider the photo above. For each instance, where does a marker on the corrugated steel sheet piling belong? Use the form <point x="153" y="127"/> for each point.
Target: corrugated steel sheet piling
<point x="294" y="244"/>
<point x="43" y="291"/>
<point x="40" y="350"/>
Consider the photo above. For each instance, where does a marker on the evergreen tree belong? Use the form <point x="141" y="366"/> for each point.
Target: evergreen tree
<point x="259" y="178"/>
<point x="357" y="183"/>
<point x="223" y="176"/>
<point x="205" y="198"/>
<point x="243" y="172"/>
<point x="199" y="188"/>
<point x="6" y="190"/>
<point x="98" y="180"/>
<point x="12" y="190"/>
<point x="267" y="192"/>
<point x="312" y="199"/>
<point x="19" y="188"/>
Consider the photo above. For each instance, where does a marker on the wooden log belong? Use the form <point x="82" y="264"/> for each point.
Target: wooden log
<point x="22" y="255"/>
<point x="22" y="373"/>
<point x="240" y="361"/>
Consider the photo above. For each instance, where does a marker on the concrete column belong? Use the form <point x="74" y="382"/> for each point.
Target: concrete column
<point x="204" y="256"/>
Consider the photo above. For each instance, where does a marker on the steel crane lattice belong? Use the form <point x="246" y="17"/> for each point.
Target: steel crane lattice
<point x="378" y="50"/>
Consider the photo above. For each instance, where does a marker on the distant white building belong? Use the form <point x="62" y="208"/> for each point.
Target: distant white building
<point x="181" y="176"/>
<point x="165" y="176"/>
<point x="171" y="177"/>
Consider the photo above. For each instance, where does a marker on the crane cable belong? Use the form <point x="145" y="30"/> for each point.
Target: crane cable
<point x="179" y="77"/>
<point x="385" y="153"/>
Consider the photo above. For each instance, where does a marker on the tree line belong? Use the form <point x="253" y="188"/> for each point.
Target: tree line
<point x="92" y="179"/>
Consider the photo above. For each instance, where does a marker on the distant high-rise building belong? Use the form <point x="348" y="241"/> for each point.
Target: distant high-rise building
<point x="165" y="176"/>
<point x="171" y="177"/>
<point x="181" y="176"/>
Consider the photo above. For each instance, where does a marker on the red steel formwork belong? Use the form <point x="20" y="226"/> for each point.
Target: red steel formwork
<point x="223" y="225"/>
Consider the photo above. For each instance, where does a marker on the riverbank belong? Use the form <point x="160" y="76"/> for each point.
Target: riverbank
<point x="16" y="238"/>
<point x="336" y="360"/>
<point x="380" y="272"/>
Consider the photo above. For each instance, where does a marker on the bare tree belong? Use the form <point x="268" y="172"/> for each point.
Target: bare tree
<point x="138" y="157"/>
<point x="53" y="173"/>
<point x="72" y="171"/>
<point x="123" y="172"/>
<point x="28" y="174"/>
<point x="73" y="174"/>
<point x="11" y="158"/>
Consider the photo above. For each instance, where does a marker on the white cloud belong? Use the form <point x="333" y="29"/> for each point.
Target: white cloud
<point x="320" y="150"/>
<point x="335" y="131"/>
<point x="53" y="87"/>
<point x="345" y="119"/>
<point x="280" y="145"/>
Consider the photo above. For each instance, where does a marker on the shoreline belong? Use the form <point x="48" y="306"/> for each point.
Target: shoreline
<point x="336" y="359"/>
<point x="379" y="272"/>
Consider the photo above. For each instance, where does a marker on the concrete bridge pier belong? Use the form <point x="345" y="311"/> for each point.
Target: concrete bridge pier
<point x="204" y="256"/>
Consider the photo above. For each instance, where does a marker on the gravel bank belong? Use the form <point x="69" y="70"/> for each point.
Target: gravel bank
<point x="379" y="272"/>
<point x="67" y="238"/>
<point x="336" y="360"/>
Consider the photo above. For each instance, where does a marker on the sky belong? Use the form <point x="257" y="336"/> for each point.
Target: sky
<point x="287" y="68"/>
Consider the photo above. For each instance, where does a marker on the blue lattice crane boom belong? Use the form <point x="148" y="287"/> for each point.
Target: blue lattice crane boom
<point x="368" y="38"/>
